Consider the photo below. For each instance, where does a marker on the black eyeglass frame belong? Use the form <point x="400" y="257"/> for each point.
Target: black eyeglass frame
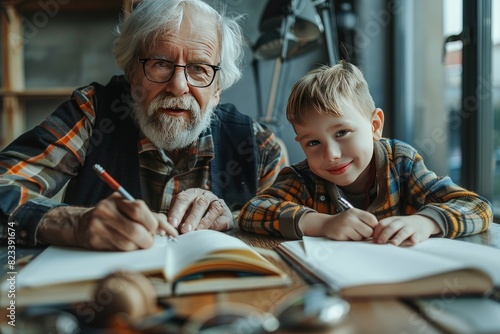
<point x="143" y="61"/>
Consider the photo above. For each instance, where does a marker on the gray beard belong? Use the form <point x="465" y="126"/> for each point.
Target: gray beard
<point x="171" y="132"/>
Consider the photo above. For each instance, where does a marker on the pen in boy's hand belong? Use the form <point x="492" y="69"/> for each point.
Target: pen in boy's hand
<point x="110" y="181"/>
<point x="345" y="204"/>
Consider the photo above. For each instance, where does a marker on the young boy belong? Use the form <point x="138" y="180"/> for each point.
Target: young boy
<point x="394" y="197"/>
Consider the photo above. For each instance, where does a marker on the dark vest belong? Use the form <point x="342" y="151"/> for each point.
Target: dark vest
<point x="113" y="145"/>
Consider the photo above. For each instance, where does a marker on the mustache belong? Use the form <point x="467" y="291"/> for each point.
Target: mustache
<point x="184" y="102"/>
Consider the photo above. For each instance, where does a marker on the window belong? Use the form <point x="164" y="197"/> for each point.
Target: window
<point x="452" y="26"/>
<point x="447" y="104"/>
<point x="496" y="101"/>
<point x="477" y="111"/>
<point x="476" y="153"/>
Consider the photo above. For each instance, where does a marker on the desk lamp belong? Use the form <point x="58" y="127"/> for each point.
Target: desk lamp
<point x="288" y="29"/>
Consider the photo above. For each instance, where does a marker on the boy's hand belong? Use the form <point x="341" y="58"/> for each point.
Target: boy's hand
<point x="398" y="229"/>
<point x="353" y="224"/>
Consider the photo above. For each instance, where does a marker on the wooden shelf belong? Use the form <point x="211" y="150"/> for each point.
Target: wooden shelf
<point x="30" y="6"/>
<point x="13" y="92"/>
<point x="38" y="93"/>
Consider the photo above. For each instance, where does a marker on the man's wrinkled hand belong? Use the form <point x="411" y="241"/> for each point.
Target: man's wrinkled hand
<point x="197" y="209"/>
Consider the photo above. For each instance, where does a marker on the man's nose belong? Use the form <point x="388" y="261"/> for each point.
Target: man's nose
<point x="178" y="84"/>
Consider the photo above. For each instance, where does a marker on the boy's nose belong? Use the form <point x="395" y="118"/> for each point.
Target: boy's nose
<point x="332" y="152"/>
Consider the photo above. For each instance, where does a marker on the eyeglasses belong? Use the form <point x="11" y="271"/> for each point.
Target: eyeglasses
<point x="197" y="74"/>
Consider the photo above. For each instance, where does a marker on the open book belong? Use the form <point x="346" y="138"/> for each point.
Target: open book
<point x="200" y="261"/>
<point x="434" y="267"/>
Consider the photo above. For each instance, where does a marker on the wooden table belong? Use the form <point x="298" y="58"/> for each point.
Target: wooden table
<point x="366" y="316"/>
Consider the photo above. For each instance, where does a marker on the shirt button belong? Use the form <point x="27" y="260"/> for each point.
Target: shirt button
<point x="322" y="198"/>
<point x="23" y="234"/>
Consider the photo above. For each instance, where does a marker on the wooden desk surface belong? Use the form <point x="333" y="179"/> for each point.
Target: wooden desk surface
<point x="366" y="316"/>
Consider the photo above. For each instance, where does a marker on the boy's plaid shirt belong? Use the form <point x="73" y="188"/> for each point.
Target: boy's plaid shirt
<point x="405" y="187"/>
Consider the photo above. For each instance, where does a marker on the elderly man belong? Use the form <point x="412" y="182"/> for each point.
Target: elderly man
<point x="158" y="130"/>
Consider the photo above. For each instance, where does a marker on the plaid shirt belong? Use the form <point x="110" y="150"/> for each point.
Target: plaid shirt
<point x="404" y="187"/>
<point x="32" y="174"/>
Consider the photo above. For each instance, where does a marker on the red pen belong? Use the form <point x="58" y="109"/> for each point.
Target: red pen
<point x="110" y="181"/>
<point x="103" y="175"/>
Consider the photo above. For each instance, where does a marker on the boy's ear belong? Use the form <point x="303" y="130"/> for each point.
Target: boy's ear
<point x="377" y="124"/>
<point x="295" y="131"/>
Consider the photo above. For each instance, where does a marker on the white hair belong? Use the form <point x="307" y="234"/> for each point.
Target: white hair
<point x="153" y="18"/>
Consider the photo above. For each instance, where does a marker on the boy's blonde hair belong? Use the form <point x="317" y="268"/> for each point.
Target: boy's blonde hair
<point x="328" y="89"/>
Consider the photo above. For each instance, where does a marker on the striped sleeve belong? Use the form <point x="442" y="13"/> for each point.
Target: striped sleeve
<point x="277" y="210"/>
<point x="458" y="211"/>
<point x="37" y="165"/>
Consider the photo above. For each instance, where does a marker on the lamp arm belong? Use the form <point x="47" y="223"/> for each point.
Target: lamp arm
<point x="286" y="25"/>
<point x="255" y="70"/>
<point x="273" y="92"/>
<point x="328" y="17"/>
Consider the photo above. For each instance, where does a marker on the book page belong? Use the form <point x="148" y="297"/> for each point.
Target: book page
<point x="357" y="263"/>
<point x="62" y="264"/>
<point x="473" y="255"/>
<point x="57" y="265"/>
<point x="193" y="246"/>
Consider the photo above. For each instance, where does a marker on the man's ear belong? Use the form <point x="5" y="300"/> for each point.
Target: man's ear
<point x="217" y="96"/>
<point x="377" y="124"/>
<point x="131" y="78"/>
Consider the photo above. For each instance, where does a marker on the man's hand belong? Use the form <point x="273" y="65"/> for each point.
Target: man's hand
<point x="113" y="224"/>
<point x="197" y="209"/>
